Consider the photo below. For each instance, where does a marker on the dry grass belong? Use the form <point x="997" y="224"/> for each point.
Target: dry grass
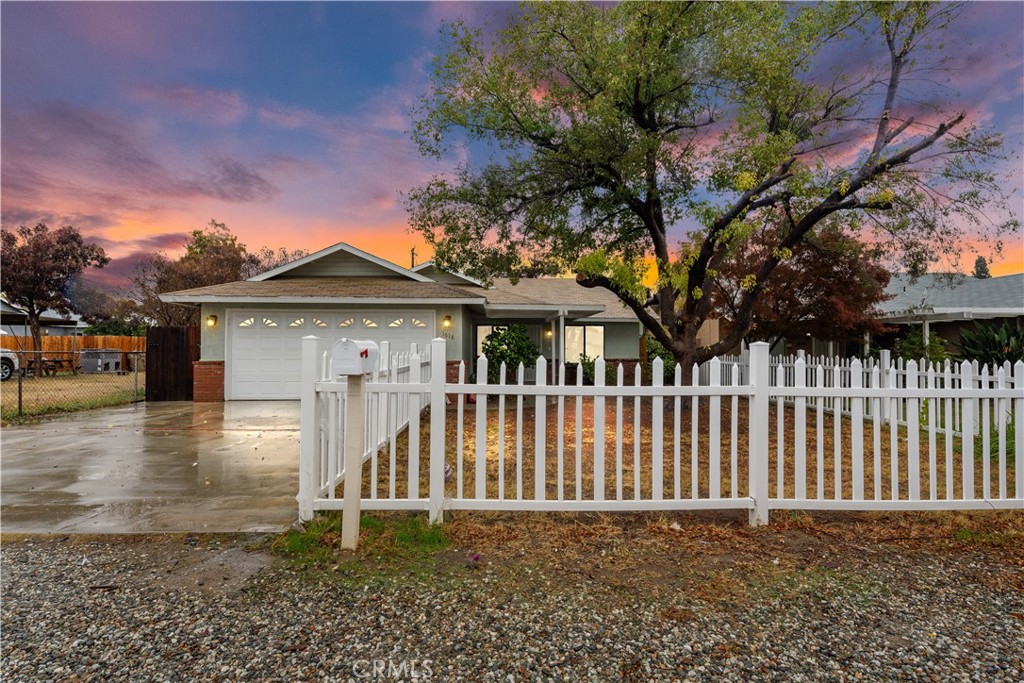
<point x="68" y="392"/>
<point x="510" y="469"/>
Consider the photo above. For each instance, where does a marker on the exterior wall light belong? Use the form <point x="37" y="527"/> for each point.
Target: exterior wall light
<point x="211" y="321"/>
<point x="447" y="322"/>
<point x="548" y="334"/>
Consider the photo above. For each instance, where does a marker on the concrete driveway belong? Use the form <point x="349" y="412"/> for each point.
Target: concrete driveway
<point x="157" y="467"/>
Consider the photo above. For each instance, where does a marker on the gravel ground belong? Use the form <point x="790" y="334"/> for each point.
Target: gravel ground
<point x="106" y="611"/>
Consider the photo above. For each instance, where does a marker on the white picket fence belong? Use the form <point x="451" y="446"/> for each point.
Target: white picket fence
<point x="756" y="435"/>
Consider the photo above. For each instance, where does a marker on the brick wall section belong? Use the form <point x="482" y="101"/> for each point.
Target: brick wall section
<point x="452" y="372"/>
<point x="208" y="381"/>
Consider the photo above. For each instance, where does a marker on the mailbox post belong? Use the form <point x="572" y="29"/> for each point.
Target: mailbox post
<point x="353" y="360"/>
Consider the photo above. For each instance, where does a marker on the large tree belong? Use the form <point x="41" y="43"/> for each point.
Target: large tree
<point x="40" y="266"/>
<point x="609" y="126"/>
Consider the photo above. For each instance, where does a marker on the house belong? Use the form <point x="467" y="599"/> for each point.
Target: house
<point x="251" y="330"/>
<point x="945" y="304"/>
<point x="14" y="321"/>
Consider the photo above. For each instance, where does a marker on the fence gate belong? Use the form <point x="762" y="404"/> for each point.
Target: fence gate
<point x="170" y="352"/>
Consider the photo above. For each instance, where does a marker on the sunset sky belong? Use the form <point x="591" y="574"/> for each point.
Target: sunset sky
<point x="286" y="121"/>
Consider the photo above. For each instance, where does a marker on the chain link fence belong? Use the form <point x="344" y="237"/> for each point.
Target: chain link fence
<point x="65" y="381"/>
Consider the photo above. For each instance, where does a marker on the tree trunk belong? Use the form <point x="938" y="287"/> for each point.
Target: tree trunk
<point x="37" y="342"/>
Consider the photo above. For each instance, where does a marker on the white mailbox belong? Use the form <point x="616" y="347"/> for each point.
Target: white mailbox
<point x="353" y="357"/>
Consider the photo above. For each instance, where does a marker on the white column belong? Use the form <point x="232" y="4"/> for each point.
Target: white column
<point x="925" y="332"/>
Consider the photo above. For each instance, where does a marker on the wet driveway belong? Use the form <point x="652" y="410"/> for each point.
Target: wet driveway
<point x="156" y="467"/>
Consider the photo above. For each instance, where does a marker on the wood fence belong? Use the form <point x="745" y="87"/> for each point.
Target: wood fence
<point x="890" y="441"/>
<point x="72" y="344"/>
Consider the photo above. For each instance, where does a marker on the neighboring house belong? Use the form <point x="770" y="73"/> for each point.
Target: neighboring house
<point x="14" y="321"/>
<point x="945" y="304"/>
<point x="939" y="303"/>
<point x="251" y="329"/>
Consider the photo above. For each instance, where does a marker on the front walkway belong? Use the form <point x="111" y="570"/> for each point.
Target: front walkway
<point x="158" y="467"/>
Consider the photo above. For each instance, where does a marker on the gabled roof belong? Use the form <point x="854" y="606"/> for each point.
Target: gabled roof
<point x="950" y="296"/>
<point x="337" y="253"/>
<point x="334" y="290"/>
<point x="432" y="271"/>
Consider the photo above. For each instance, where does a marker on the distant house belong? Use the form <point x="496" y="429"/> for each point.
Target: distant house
<point x="252" y="329"/>
<point x="14" y="321"/>
<point x="945" y="305"/>
<point x="940" y="304"/>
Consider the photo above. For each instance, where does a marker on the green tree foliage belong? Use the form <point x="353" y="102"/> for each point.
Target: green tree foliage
<point x="39" y="267"/>
<point x="511" y="345"/>
<point x="993" y="343"/>
<point x="981" y="268"/>
<point x="609" y="126"/>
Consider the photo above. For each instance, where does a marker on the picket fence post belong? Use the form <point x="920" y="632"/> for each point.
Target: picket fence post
<point x="354" y="447"/>
<point x="307" y="434"/>
<point x="758" y="440"/>
<point x="438" y="369"/>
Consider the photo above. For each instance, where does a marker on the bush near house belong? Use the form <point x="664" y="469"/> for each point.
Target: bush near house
<point x="511" y="345"/>
<point x="992" y="343"/>
<point x="912" y="347"/>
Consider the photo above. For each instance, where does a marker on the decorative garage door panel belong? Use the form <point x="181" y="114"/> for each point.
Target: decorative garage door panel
<point x="265" y="347"/>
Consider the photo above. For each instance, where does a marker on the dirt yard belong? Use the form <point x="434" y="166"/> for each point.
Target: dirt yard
<point x="510" y="469"/>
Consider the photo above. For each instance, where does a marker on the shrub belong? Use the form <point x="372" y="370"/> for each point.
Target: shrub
<point x="656" y="349"/>
<point x="992" y="343"/>
<point x="509" y="344"/>
<point x="912" y="347"/>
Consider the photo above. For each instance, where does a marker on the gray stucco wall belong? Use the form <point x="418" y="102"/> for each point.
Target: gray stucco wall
<point x="622" y="340"/>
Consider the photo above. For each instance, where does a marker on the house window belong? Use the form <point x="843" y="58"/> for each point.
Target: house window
<point x="482" y="333"/>
<point x="583" y="339"/>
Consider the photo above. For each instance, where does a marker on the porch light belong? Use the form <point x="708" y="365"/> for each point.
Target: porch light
<point x="447" y="322"/>
<point x="211" y="321"/>
<point x="548" y="334"/>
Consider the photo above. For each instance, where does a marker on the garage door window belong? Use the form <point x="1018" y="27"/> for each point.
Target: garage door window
<point x="269" y="322"/>
<point x="369" y="323"/>
<point x="298" y="322"/>
<point x="346" y="322"/>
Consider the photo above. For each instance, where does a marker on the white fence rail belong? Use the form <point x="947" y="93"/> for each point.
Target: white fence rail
<point x="751" y="434"/>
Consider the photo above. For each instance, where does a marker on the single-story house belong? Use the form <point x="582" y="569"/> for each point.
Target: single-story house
<point x="947" y="304"/>
<point x="14" y="321"/>
<point x="943" y="304"/>
<point x="251" y="329"/>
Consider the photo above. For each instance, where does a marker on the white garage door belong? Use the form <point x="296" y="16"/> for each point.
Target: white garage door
<point x="265" y="347"/>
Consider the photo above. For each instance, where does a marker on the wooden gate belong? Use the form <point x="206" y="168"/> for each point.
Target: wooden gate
<point x="170" y="352"/>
